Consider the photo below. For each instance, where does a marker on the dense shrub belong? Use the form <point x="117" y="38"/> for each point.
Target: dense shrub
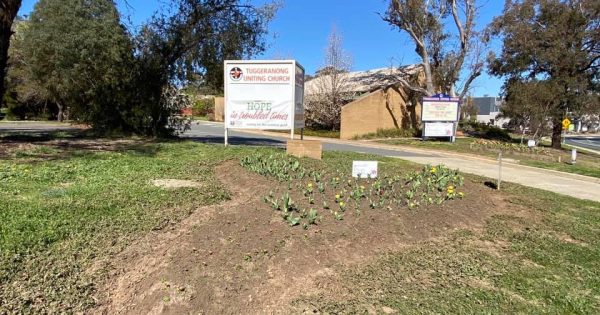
<point x="203" y="107"/>
<point x="480" y="130"/>
<point x="390" y="133"/>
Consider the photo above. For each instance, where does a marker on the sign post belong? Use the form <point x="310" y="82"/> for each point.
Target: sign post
<point x="439" y="114"/>
<point x="263" y="94"/>
<point x="565" y="124"/>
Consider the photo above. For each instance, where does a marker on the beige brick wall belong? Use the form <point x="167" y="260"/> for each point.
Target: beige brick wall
<point x="219" y="109"/>
<point x="381" y="109"/>
<point x="305" y="148"/>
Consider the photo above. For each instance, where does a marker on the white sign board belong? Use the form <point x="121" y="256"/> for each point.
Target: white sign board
<point x="264" y="94"/>
<point x="438" y="129"/>
<point x="439" y="109"/>
<point x="364" y="169"/>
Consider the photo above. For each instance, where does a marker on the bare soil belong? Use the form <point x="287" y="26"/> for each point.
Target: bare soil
<point x="240" y="257"/>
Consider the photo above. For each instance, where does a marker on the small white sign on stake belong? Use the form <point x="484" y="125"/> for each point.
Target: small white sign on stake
<point x="364" y="169"/>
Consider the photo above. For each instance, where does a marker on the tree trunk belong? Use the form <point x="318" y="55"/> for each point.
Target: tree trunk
<point x="8" y="12"/>
<point x="428" y="74"/>
<point x="5" y="35"/>
<point x="556" y="133"/>
<point x="60" y="117"/>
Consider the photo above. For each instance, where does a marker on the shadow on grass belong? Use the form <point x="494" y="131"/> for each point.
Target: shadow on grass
<point x="35" y="145"/>
<point x="234" y="140"/>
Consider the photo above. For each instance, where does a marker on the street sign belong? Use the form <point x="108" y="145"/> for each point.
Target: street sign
<point x="566" y="123"/>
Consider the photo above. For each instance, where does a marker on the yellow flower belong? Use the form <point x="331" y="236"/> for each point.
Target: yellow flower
<point x="337" y="196"/>
<point x="433" y="170"/>
<point x="309" y="185"/>
<point x="342" y="204"/>
<point x="450" y="187"/>
<point x="462" y="194"/>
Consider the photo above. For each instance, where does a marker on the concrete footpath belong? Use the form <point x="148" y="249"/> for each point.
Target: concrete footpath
<point x="579" y="186"/>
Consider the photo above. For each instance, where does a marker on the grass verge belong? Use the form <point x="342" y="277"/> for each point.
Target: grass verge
<point x="314" y="133"/>
<point x="544" y="157"/>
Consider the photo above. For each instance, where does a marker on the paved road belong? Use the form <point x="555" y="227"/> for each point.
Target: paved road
<point x="569" y="184"/>
<point x="34" y="127"/>
<point x="208" y="132"/>
<point x="588" y="142"/>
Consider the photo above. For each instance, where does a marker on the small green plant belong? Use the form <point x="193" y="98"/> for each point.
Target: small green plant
<point x="432" y="185"/>
<point x="313" y="216"/>
<point x="292" y="220"/>
<point x="338" y="216"/>
<point x="321" y="187"/>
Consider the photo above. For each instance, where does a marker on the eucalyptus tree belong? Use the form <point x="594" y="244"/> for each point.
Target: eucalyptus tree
<point x="550" y="59"/>
<point x="445" y="58"/>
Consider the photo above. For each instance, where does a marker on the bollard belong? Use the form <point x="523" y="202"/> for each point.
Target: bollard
<point x="499" y="170"/>
<point x="573" y="156"/>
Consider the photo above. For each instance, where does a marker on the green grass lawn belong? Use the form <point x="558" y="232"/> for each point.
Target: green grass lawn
<point x="587" y="164"/>
<point x="314" y="133"/>
<point x="60" y="209"/>
<point x="64" y="211"/>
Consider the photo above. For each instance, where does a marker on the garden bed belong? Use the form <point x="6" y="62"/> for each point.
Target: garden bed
<point x="248" y="256"/>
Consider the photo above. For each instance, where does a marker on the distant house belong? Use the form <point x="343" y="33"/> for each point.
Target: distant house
<point x="488" y="109"/>
<point x="379" y="99"/>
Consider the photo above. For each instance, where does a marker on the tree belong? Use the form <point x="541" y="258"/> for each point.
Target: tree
<point x="8" y="12"/>
<point x="77" y="53"/>
<point x="424" y="22"/>
<point x="23" y="97"/>
<point x="324" y="104"/>
<point x="193" y="42"/>
<point x="550" y="59"/>
<point x="86" y="62"/>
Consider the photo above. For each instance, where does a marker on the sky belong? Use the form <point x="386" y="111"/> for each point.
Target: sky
<point x="301" y="27"/>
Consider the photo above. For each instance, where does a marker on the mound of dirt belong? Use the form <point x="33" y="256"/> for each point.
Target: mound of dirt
<point x="241" y="257"/>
